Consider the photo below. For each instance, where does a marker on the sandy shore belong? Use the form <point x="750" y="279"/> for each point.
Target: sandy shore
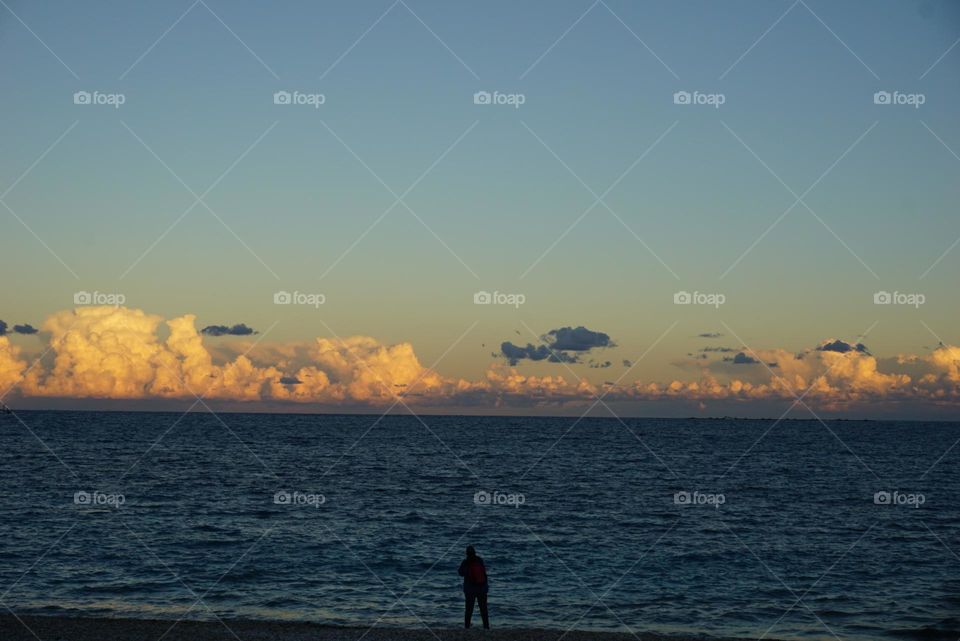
<point x="31" y="628"/>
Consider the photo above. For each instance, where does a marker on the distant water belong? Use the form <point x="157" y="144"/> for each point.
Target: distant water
<point x="782" y="513"/>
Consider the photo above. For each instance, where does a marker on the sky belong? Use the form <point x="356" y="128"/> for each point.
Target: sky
<point x="587" y="164"/>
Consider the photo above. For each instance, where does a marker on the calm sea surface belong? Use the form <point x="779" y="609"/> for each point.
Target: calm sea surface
<point x="725" y="527"/>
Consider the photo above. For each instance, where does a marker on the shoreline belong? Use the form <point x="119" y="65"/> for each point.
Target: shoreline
<point x="14" y="627"/>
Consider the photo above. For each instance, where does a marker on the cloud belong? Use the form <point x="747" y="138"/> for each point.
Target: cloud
<point x="11" y="365"/>
<point x="25" y="329"/>
<point x="723" y="350"/>
<point x="516" y="353"/>
<point x="599" y="365"/>
<point x="17" y="329"/>
<point x="741" y="359"/>
<point x="121" y="353"/>
<point x="577" y="339"/>
<point x="223" y="330"/>
<point x="710" y="335"/>
<point x="557" y="342"/>
<point x="837" y="345"/>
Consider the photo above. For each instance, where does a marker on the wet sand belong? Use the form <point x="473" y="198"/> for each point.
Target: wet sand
<point x="32" y="628"/>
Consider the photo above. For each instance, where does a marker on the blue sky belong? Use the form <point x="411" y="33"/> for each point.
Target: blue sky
<point x="298" y="197"/>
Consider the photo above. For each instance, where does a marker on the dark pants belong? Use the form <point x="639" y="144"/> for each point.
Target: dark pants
<point x="468" y="609"/>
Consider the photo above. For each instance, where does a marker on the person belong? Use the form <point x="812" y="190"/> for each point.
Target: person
<point x="475" y="585"/>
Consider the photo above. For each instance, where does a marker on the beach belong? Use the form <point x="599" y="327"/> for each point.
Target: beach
<point x="31" y="628"/>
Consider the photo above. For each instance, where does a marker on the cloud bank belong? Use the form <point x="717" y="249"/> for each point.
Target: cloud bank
<point x="121" y="353"/>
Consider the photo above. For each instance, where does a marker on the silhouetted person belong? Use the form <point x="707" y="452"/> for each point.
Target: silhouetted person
<point x="474" y="574"/>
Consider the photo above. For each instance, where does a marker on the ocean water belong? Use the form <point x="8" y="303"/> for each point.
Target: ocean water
<point x="722" y="527"/>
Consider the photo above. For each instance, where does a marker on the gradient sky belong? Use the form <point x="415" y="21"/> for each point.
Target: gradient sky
<point x="598" y="79"/>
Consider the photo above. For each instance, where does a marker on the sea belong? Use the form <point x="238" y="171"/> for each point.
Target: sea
<point x="792" y="529"/>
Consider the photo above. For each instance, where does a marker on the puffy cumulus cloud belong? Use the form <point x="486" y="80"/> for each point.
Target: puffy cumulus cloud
<point x="120" y="353"/>
<point x="504" y="386"/>
<point x="12" y="365"/>
<point x="943" y="382"/>
<point x="102" y="352"/>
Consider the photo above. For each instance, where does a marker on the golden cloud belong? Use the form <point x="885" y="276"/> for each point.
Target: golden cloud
<point x="121" y="353"/>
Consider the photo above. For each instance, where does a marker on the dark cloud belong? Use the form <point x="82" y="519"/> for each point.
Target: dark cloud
<point x="741" y="359"/>
<point x="558" y="343"/>
<point x="577" y="339"/>
<point x="290" y="380"/>
<point x="223" y="330"/>
<point x="627" y="363"/>
<point x="724" y="350"/>
<point x="516" y="353"/>
<point x="710" y="335"/>
<point x="599" y="365"/>
<point x="842" y="347"/>
<point x="17" y="329"/>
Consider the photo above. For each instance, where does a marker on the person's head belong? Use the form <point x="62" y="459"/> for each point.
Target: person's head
<point x="471" y="552"/>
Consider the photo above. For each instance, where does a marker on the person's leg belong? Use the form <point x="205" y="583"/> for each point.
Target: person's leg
<point x="467" y="609"/>
<point x="482" y="600"/>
